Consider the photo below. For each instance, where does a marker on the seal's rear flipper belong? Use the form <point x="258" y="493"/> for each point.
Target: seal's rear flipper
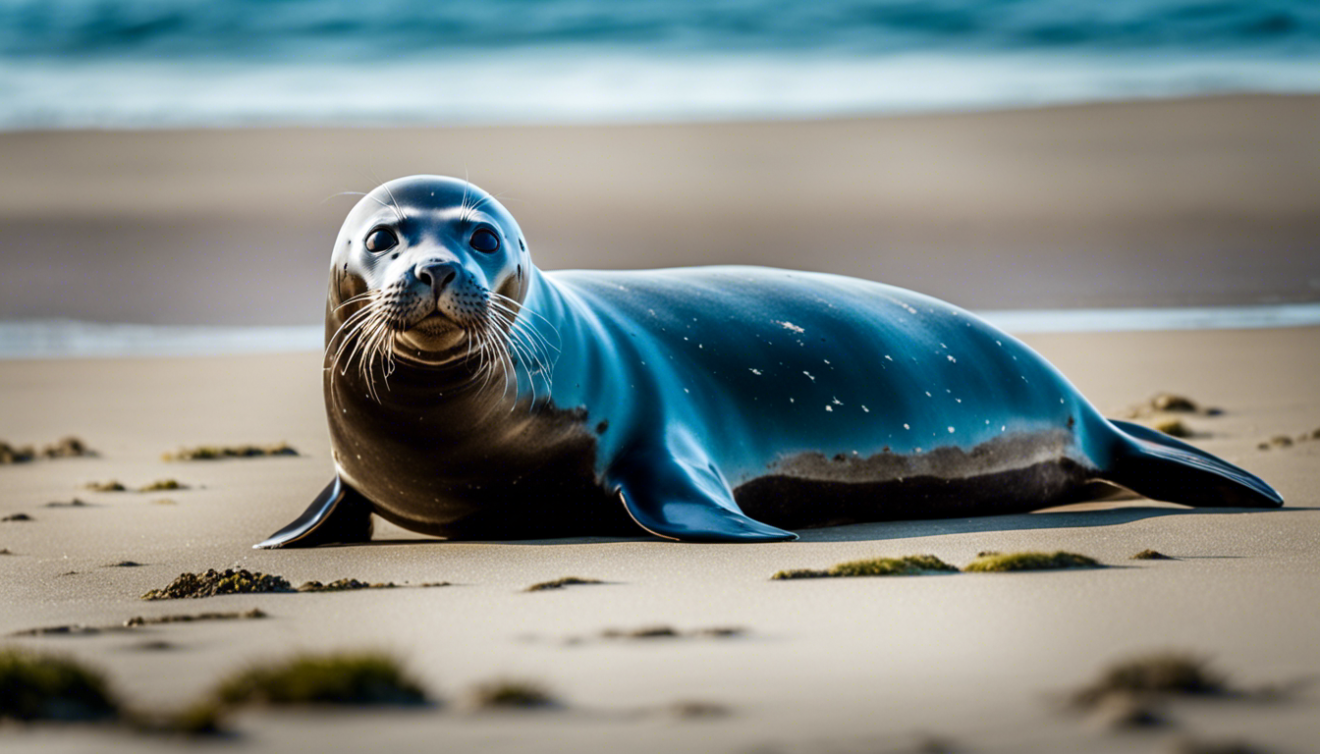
<point x="1162" y="468"/>
<point x="339" y="515"/>
<point x="680" y="501"/>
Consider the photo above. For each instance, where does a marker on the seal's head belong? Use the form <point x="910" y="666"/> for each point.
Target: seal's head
<point x="430" y="266"/>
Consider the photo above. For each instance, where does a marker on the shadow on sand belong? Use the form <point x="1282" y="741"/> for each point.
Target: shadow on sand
<point x="1102" y="513"/>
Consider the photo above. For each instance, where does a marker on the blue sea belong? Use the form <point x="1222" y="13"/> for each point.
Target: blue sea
<point x="198" y="63"/>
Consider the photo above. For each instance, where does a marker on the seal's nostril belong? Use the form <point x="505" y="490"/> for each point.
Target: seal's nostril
<point x="436" y="275"/>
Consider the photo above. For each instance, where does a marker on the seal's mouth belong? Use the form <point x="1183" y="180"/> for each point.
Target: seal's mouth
<point x="434" y="323"/>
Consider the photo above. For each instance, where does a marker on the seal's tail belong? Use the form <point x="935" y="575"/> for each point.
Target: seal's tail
<point x="1162" y="468"/>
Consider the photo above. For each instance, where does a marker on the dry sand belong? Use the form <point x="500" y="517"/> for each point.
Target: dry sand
<point x="828" y="666"/>
<point x="1204" y="201"/>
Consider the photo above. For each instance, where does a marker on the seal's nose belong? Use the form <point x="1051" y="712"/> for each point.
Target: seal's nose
<point x="437" y="274"/>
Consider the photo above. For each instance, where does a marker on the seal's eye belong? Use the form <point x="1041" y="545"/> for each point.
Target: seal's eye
<point x="381" y="239"/>
<point x="485" y="240"/>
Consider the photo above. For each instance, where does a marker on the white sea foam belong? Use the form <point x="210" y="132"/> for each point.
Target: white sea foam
<point x="532" y="87"/>
<point x="70" y="339"/>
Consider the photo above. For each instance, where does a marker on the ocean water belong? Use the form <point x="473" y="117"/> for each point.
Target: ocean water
<point x="166" y="63"/>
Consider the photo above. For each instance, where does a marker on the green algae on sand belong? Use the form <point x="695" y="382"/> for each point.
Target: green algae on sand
<point x="217" y="452"/>
<point x="511" y="694"/>
<point x="910" y="565"/>
<point x="48" y="687"/>
<point x="343" y="678"/>
<point x="213" y="583"/>
<point x="560" y="583"/>
<point x="1160" y="673"/>
<point x="160" y="485"/>
<point x="113" y="485"/>
<point x="1173" y="428"/>
<point x="1030" y="561"/>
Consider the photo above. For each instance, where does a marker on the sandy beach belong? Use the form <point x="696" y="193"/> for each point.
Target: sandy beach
<point x="1154" y="204"/>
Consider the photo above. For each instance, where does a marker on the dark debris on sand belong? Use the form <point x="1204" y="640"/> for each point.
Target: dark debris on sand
<point x="510" y="694"/>
<point x="242" y="581"/>
<point x="138" y="621"/>
<point x="348" y="585"/>
<point x="17" y="517"/>
<point x="74" y="503"/>
<point x="155" y="620"/>
<point x="1158" y="674"/>
<point x="113" y="485"/>
<point x="669" y="632"/>
<point x="161" y="485"/>
<point x="213" y="583"/>
<point x="1285" y="441"/>
<point x="1151" y="555"/>
<point x="217" y="452"/>
<point x="698" y="710"/>
<point x="560" y="583"/>
<point x="68" y="447"/>
<point x="1168" y="403"/>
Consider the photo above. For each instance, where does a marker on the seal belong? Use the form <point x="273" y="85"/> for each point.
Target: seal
<point x="472" y="396"/>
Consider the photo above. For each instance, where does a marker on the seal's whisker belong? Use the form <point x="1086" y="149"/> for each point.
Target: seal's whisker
<point x="397" y="209"/>
<point x="516" y="320"/>
<point x="343" y="193"/>
<point x="369" y="295"/>
<point x="346" y="331"/>
<point x="527" y="351"/>
<point x="500" y="300"/>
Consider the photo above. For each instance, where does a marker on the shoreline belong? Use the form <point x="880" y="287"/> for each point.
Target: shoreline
<point x="64" y="339"/>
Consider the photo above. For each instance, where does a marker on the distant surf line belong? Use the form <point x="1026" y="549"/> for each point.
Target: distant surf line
<point x="61" y="339"/>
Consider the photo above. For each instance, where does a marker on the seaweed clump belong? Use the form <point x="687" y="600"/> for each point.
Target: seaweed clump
<point x="213" y="583"/>
<point x="511" y="694"/>
<point x="1173" y="427"/>
<point x="216" y="452"/>
<point x="910" y="565"/>
<point x="138" y="620"/>
<point x="359" y="679"/>
<point x="67" y="447"/>
<point x="44" y="687"/>
<point x="16" y="454"/>
<point x="161" y="485"/>
<point x="348" y="585"/>
<point x="113" y="485"/>
<point x="1030" y="561"/>
<point x="1163" y="674"/>
<point x="560" y="583"/>
<point x="1151" y="555"/>
<point x="17" y="517"/>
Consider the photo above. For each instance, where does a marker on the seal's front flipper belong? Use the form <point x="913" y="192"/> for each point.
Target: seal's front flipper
<point x="339" y="515"/>
<point x="1162" y="468"/>
<point x="681" y="501"/>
